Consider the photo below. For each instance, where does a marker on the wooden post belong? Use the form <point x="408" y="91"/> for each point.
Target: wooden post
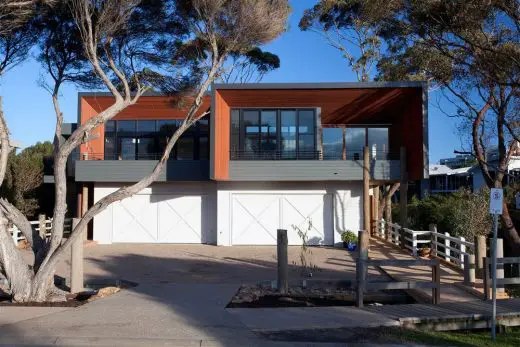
<point x="388" y="214"/>
<point x="500" y="266"/>
<point x="84" y="204"/>
<point x="403" y="190"/>
<point x="376" y="209"/>
<point x="76" y="262"/>
<point x="366" y="189"/>
<point x="361" y="268"/>
<point x="433" y="229"/>
<point x="462" y="252"/>
<point x="447" y="244"/>
<point x="485" y="261"/>
<point x="283" y="261"/>
<point x="469" y="269"/>
<point x="15" y="235"/>
<point x="403" y="193"/>
<point x="42" y="225"/>
<point x="414" y="243"/>
<point x="436" y="279"/>
<point x="480" y="254"/>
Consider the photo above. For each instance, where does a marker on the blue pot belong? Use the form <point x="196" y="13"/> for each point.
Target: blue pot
<point x="351" y="246"/>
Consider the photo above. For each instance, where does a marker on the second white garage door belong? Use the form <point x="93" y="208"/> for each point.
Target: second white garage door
<point x="156" y="218"/>
<point x="256" y="217"/>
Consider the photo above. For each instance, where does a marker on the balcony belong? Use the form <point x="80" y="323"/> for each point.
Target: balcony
<point x="95" y="167"/>
<point x="311" y="166"/>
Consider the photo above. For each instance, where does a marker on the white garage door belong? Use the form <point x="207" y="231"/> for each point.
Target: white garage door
<point x="256" y="217"/>
<point x="157" y="219"/>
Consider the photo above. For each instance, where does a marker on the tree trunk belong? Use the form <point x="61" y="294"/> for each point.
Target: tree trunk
<point x="14" y="267"/>
<point x="510" y="233"/>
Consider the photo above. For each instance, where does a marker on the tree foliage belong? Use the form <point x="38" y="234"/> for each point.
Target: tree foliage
<point x="24" y="178"/>
<point x="128" y="47"/>
<point x="462" y="213"/>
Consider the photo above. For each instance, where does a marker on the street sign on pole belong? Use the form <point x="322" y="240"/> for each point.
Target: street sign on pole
<point x="496" y="204"/>
<point x="496" y="201"/>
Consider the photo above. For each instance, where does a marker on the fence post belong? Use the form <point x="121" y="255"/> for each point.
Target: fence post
<point x="361" y="268"/>
<point x="500" y="266"/>
<point x="76" y="262"/>
<point x="469" y="269"/>
<point x="485" y="261"/>
<point x="43" y="226"/>
<point x="436" y="279"/>
<point x="414" y="243"/>
<point x="14" y="229"/>
<point x="462" y="252"/>
<point x="446" y="249"/>
<point x="480" y="254"/>
<point x="283" y="261"/>
<point x="433" y="238"/>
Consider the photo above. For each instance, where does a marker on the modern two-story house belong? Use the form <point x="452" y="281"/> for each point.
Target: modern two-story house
<point x="264" y="157"/>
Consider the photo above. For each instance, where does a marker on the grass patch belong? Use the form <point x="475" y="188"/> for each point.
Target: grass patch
<point x="465" y="338"/>
<point x="452" y="338"/>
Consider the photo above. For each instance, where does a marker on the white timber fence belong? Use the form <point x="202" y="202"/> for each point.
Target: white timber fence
<point x="455" y="250"/>
<point x="44" y="222"/>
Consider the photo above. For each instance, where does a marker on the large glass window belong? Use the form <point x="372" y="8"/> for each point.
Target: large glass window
<point x="273" y="134"/>
<point x="251" y="132"/>
<point x="332" y="143"/>
<point x="288" y="134"/>
<point x="355" y="141"/>
<point x="147" y="139"/>
<point x="378" y="142"/>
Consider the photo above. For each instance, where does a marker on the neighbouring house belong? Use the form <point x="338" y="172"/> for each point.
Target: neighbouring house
<point x="265" y="157"/>
<point x="450" y="178"/>
<point x="444" y="179"/>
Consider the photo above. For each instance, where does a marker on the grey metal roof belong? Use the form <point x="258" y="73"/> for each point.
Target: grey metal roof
<point x="322" y="85"/>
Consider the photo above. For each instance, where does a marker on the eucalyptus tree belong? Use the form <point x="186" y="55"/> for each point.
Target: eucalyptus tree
<point x="471" y="50"/>
<point x="129" y="47"/>
<point x="353" y="28"/>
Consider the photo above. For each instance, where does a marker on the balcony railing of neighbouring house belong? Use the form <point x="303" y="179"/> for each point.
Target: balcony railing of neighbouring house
<point x="310" y="155"/>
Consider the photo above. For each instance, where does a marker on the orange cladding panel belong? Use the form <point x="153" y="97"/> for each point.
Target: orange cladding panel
<point x="147" y="107"/>
<point x="222" y="138"/>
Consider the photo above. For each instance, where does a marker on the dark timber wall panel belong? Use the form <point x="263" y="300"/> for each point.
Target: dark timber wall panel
<point x="134" y="170"/>
<point x="310" y="170"/>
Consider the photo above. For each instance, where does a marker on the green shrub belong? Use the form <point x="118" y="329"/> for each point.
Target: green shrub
<point x="462" y="213"/>
<point x="349" y="237"/>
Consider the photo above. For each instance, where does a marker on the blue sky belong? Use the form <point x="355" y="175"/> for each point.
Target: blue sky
<point x="305" y="57"/>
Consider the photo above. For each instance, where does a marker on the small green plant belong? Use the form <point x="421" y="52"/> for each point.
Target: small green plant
<point x="349" y="237"/>
<point x="306" y="264"/>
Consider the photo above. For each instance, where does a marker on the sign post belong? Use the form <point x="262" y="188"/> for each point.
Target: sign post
<point x="496" y="204"/>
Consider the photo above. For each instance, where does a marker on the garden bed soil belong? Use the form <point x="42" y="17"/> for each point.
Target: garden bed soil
<point x="263" y="296"/>
<point x="71" y="300"/>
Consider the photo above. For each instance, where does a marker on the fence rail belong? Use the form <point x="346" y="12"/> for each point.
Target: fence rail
<point x="449" y="248"/>
<point x="18" y="236"/>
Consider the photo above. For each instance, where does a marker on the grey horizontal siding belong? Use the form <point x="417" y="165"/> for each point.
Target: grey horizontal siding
<point x="310" y="170"/>
<point x="134" y="170"/>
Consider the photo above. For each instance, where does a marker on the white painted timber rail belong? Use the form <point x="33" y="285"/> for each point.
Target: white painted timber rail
<point x="443" y="245"/>
<point x="18" y="236"/>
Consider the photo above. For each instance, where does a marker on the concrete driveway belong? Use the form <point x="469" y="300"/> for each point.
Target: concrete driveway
<point x="180" y="300"/>
<point x="193" y="264"/>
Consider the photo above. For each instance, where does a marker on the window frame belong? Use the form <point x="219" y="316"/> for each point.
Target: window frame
<point x="278" y="151"/>
<point x="196" y="133"/>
